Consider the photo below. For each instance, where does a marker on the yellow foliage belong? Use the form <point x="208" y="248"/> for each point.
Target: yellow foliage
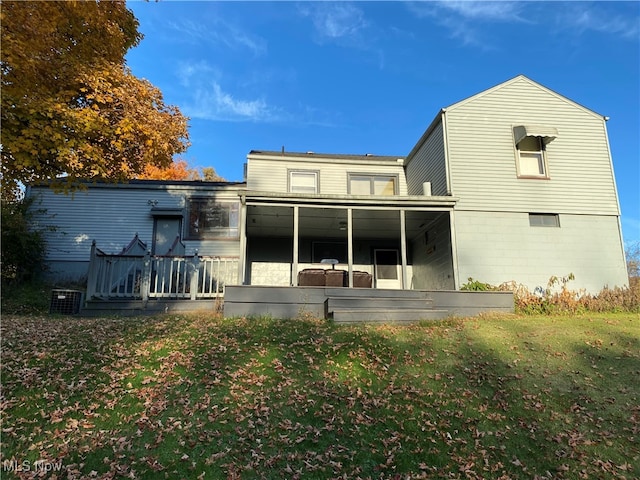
<point x="71" y="109"/>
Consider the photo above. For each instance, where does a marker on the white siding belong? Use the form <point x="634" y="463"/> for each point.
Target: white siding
<point x="427" y="164"/>
<point x="497" y="247"/>
<point x="268" y="175"/>
<point x="482" y="156"/>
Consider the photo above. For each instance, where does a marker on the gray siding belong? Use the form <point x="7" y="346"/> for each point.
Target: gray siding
<point x="497" y="247"/>
<point x="268" y="175"/>
<point x="482" y="156"/>
<point x="112" y="216"/>
<point x="427" y="164"/>
<point x="432" y="261"/>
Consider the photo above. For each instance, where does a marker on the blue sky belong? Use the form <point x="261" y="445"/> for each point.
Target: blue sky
<point x="368" y="77"/>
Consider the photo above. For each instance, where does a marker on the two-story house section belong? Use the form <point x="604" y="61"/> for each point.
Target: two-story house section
<point x="533" y="175"/>
<point x="346" y="212"/>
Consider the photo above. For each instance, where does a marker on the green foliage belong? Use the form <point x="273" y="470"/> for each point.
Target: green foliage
<point x="206" y="397"/>
<point x="477" y="286"/>
<point x="23" y="247"/>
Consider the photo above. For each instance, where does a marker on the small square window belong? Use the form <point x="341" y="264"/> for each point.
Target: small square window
<point x="302" y="181"/>
<point x="544" y="220"/>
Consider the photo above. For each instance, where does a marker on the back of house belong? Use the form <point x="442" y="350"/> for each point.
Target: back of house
<point x="515" y="184"/>
<point x="537" y="197"/>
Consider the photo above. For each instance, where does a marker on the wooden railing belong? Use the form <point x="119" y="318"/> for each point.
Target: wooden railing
<point x="144" y="277"/>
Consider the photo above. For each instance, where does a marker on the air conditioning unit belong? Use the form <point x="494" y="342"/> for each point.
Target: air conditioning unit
<point x="65" y="302"/>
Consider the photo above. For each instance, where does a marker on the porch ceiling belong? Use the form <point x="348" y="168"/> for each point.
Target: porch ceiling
<point x="271" y="221"/>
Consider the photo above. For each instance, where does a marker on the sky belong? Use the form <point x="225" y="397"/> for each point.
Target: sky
<point x="369" y="77"/>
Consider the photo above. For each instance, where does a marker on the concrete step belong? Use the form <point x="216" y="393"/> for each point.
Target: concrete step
<point x="393" y="303"/>
<point x="388" y="315"/>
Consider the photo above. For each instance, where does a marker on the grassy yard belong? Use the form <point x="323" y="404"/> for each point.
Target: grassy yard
<point x="206" y="398"/>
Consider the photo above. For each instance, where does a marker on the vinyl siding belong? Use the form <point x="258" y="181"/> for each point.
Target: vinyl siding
<point x="482" y="156"/>
<point x="428" y="165"/>
<point x="432" y="261"/>
<point x="497" y="247"/>
<point x="267" y="175"/>
<point x="112" y="216"/>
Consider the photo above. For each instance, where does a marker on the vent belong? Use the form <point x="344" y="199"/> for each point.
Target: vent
<point x="65" y="302"/>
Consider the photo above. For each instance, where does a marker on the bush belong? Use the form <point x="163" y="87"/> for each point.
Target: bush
<point x="23" y="247"/>
<point x="557" y="298"/>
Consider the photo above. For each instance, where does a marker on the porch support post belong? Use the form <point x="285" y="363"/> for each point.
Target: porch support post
<point x="146" y="277"/>
<point x="350" y="244"/>
<point x="243" y="241"/>
<point x="92" y="277"/>
<point x="294" y="272"/>
<point x="403" y="249"/>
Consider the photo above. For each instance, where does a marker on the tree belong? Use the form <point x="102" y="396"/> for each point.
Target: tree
<point x="22" y="247"/>
<point x="209" y="174"/>
<point x="178" y="170"/>
<point x="71" y="109"/>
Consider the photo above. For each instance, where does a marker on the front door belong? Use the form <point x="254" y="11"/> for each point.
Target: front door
<point x="387" y="268"/>
<point x="165" y="231"/>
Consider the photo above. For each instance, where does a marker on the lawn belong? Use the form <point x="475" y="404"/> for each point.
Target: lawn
<point x="205" y="398"/>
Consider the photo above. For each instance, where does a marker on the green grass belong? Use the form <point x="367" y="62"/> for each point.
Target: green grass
<point x="205" y="397"/>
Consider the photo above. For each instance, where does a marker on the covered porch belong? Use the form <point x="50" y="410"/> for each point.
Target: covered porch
<point x="393" y="243"/>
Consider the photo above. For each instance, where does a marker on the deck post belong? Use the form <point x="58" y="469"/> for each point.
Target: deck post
<point x="195" y="267"/>
<point x="146" y="277"/>
<point x="350" y="244"/>
<point x="403" y="249"/>
<point x="92" y="275"/>
<point x="294" y="273"/>
<point x="243" y="240"/>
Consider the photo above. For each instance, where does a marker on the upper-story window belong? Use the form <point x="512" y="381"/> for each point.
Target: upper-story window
<point x="210" y="219"/>
<point x="531" y="153"/>
<point x="373" y="184"/>
<point x="303" y="181"/>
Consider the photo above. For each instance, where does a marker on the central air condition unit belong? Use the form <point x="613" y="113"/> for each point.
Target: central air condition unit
<point x="65" y="302"/>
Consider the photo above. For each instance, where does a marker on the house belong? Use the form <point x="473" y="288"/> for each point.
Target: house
<point x="515" y="183"/>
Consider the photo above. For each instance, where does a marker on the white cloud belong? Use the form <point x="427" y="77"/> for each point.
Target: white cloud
<point x="335" y="21"/>
<point x="219" y="32"/>
<point x="462" y="17"/>
<point x="479" y="10"/>
<point x="598" y="19"/>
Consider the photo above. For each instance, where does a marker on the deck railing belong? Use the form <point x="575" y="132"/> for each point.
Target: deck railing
<point x="144" y="277"/>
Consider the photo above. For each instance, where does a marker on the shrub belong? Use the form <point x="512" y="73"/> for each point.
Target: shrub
<point x="557" y="298"/>
<point x="22" y="247"/>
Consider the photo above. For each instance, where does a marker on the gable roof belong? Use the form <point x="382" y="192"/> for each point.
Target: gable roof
<point x="518" y="79"/>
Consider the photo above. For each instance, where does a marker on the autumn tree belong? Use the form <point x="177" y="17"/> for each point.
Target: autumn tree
<point x="71" y="109"/>
<point x="177" y="170"/>
<point x="209" y="174"/>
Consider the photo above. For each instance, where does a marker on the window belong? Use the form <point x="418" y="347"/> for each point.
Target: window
<point x="373" y="184"/>
<point x="211" y="219"/>
<point x="544" y="220"/>
<point x="303" y="181"/>
<point x="531" y="158"/>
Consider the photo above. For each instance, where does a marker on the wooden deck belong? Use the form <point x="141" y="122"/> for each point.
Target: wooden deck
<point x="349" y="305"/>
